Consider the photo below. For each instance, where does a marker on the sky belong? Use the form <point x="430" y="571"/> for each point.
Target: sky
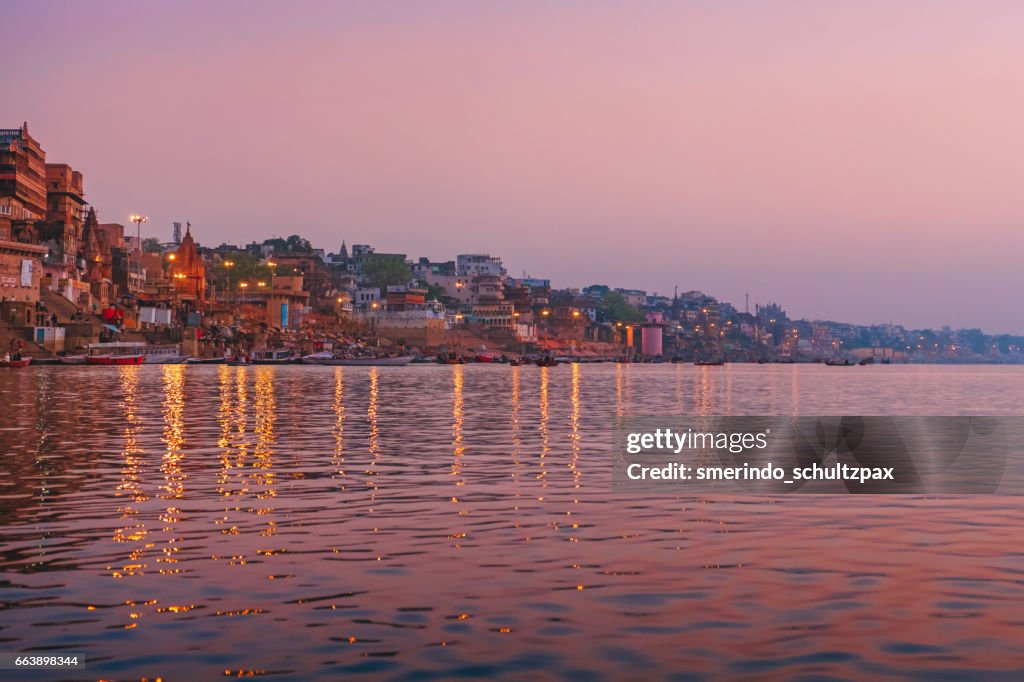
<point x="857" y="161"/>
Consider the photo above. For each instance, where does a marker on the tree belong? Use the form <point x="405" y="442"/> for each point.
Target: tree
<point x="600" y="290"/>
<point x="244" y="267"/>
<point x="617" y="309"/>
<point x="293" y="244"/>
<point x="151" y="245"/>
<point x="385" y="271"/>
<point x="434" y="292"/>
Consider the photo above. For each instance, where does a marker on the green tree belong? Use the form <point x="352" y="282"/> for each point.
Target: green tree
<point x="293" y="244"/>
<point x="617" y="309"/>
<point x="238" y="267"/>
<point x="151" y="245"/>
<point x="385" y="271"/>
<point x="434" y="292"/>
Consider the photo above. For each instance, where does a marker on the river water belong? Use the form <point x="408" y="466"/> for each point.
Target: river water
<point x="438" y="522"/>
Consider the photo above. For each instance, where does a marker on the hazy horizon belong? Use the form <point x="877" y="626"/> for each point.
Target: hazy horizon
<point x="855" y="162"/>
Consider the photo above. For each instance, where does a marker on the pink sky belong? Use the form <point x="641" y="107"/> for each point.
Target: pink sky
<point x="859" y="161"/>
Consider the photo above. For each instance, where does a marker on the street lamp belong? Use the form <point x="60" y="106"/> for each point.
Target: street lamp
<point x="138" y="220"/>
<point x="228" y="264"/>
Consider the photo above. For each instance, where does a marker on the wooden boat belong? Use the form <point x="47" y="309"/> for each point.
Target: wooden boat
<point x="160" y="354"/>
<point x="317" y="358"/>
<point x="839" y="363"/>
<point x="449" y="358"/>
<point x="115" y="359"/>
<point x="73" y="359"/>
<point x="709" y="363"/>
<point x="395" y="361"/>
<point x="22" y="362"/>
<point x="207" y="361"/>
<point x="273" y="356"/>
<point x="547" y="361"/>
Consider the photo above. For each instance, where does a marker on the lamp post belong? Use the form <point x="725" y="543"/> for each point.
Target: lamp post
<point x="228" y="264"/>
<point x="138" y="220"/>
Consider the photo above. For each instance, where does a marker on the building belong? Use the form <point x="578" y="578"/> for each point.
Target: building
<point x="188" y="273"/>
<point x="475" y="265"/>
<point x="20" y="271"/>
<point x="22" y="184"/>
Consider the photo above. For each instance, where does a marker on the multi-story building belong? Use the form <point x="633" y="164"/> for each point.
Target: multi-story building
<point x="476" y="264"/>
<point x="22" y="184"/>
<point x="65" y="207"/>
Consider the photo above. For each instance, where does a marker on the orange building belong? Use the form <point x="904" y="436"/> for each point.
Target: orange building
<point x="188" y="273"/>
<point x="65" y="203"/>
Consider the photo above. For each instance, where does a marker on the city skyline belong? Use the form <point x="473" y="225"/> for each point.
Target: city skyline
<point x="854" y="164"/>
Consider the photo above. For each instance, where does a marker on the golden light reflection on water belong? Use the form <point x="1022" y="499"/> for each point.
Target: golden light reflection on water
<point x="263" y="476"/>
<point x="458" y="445"/>
<point x="338" y="407"/>
<point x="170" y="466"/>
<point x="543" y="425"/>
<point x="516" y="438"/>
<point x="130" y="489"/>
<point x="373" y="439"/>
<point x="574" y="427"/>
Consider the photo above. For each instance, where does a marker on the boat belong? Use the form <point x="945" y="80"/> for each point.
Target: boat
<point x="273" y="356"/>
<point x="115" y="359"/>
<point x="73" y="359"/>
<point x="547" y="361"/>
<point x="839" y="363"/>
<point x="20" y="362"/>
<point x="317" y="358"/>
<point x="866" y="361"/>
<point x="515" y="362"/>
<point x="709" y="363"/>
<point x="370" y="361"/>
<point x="449" y="358"/>
<point x="207" y="361"/>
<point x="163" y="354"/>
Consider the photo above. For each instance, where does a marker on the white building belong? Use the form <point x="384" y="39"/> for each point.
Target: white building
<point x="475" y="264"/>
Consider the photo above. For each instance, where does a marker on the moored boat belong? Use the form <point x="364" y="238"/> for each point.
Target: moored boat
<point x="394" y="361"/>
<point x="547" y="361"/>
<point x="20" y="362"/>
<point x="115" y="359"/>
<point x="317" y="358"/>
<point x="207" y="361"/>
<point x="273" y="356"/>
<point x="449" y="358"/>
<point x="73" y="359"/>
<point x="709" y="363"/>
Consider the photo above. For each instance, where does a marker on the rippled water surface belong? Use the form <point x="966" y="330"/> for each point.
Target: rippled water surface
<point x="443" y="522"/>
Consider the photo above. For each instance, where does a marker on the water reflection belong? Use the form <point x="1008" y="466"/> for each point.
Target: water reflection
<point x="130" y="491"/>
<point x="170" y="467"/>
<point x="218" y="511"/>
<point x="338" y="407"/>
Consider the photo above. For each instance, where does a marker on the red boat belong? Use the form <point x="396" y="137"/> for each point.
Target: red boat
<point x="15" y="363"/>
<point x="449" y="358"/>
<point x="115" y="359"/>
